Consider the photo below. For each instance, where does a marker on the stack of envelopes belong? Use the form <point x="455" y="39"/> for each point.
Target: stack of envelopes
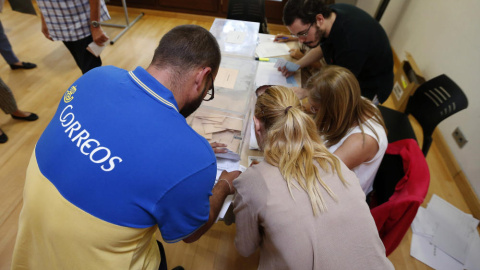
<point x="219" y="128"/>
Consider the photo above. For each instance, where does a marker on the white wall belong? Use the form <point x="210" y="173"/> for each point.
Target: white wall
<point x="444" y="37"/>
<point x="370" y="6"/>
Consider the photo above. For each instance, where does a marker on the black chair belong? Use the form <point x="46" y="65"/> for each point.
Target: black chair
<point x="432" y="102"/>
<point x="248" y="10"/>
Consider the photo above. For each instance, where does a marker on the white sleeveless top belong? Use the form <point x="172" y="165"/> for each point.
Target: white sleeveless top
<point x="366" y="171"/>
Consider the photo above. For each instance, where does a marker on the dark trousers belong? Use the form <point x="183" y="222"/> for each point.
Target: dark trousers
<point x="84" y="59"/>
<point x="5" y="48"/>
<point x="163" y="263"/>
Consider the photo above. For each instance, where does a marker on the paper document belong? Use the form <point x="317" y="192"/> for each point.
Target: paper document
<point x="226" y="78"/>
<point x="270" y="49"/>
<point x="229" y="166"/>
<point x="454" y="229"/>
<point x="267" y="48"/>
<point x="445" y="237"/>
<point x="95" y="49"/>
<point x="473" y="258"/>
<point x="219" y="128"/>
<point x="229" y="155"/>
<point x="268" y="74"/>
<point x="253" y="140"/>
<point x="291" y="81"/>
<point x="422" y="250"/>
<point x="263" y="38"/>
<point x="226" y="204"/>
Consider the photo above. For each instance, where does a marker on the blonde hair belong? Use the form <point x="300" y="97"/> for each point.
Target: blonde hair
<point x="292" y="144"/>
<point x="337" y="93"/>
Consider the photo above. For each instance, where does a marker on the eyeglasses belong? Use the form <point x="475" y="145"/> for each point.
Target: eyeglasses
<point x="303" y="34"/>
<point x="211" y="91"/>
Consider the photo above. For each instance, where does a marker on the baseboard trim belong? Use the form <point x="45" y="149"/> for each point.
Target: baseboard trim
<point x="457" y="174"/>
<point x="468" y="194"/>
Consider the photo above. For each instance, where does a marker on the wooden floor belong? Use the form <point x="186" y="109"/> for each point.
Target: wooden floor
<point x="40" y="90"/>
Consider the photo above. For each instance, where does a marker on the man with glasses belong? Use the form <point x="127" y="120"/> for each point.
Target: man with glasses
<point x="118" y="160"/>
<point x="345" y="36"/>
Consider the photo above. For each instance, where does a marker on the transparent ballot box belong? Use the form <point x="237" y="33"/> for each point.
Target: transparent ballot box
<point x="224" y="119"/>
<point x="236" y="38"/>
<point x="234" y="84"/>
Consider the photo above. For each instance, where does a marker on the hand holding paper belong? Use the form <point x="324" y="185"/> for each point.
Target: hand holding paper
<point x="219" y="147"/>
<point x="292" y="67"/>
<point x="287" y="68"/>
<point x="95" y="49"/>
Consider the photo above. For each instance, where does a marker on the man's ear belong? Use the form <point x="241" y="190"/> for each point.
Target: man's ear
<point x="320" y="20"/>
<point x="200" y="77"/>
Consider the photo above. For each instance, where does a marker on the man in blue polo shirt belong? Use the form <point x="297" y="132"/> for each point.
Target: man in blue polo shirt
<point x="118" y="159"/>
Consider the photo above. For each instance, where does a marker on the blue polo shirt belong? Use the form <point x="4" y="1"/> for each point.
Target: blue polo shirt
<point x="118" y="149"/>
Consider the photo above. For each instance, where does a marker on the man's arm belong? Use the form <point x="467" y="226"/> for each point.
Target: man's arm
<point x="220" y="191"/>
<point x="310" y="57"/>
<point x="44" y="28"/>
<point x="98" y="34"/>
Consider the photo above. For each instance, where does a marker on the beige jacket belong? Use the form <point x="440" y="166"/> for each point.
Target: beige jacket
<point x="291" y="237"/>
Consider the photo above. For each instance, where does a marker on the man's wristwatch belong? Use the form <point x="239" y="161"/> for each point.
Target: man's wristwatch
<point x="95" y="24"/>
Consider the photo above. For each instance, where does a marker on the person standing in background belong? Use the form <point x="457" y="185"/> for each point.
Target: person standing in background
<point x="9" y="106"/>
<point x="76" y="24"/>
<point x="7" y="52"/>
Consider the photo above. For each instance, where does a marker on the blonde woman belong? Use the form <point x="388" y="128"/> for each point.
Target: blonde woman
<point x="351" y="126"/>
<point x="301" y="206"/>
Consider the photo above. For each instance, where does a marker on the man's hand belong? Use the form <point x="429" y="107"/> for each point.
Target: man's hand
<point x="45" y="29"/>
<point x="296" y="53"/>
<point x="219" y="192"/>
<point x="285" y="71"/>
<point x="219" y="147"/>
<point x="99" y="36"/>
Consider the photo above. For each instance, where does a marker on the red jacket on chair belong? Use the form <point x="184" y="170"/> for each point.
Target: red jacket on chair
<point x="393" y="218"/>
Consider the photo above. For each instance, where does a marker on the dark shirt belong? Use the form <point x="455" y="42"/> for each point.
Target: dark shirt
<point x="359" y="43"/>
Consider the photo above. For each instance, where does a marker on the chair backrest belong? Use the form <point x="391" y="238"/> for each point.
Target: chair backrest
<point x="248" y="10"/>
<point x="393" y="217"/>
<point x="432" y="102"/>
<point x="397" y="124"/>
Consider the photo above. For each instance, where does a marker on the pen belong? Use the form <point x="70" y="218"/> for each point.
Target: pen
<point x="262" y="59"/>
<point x="281" y="38"/>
